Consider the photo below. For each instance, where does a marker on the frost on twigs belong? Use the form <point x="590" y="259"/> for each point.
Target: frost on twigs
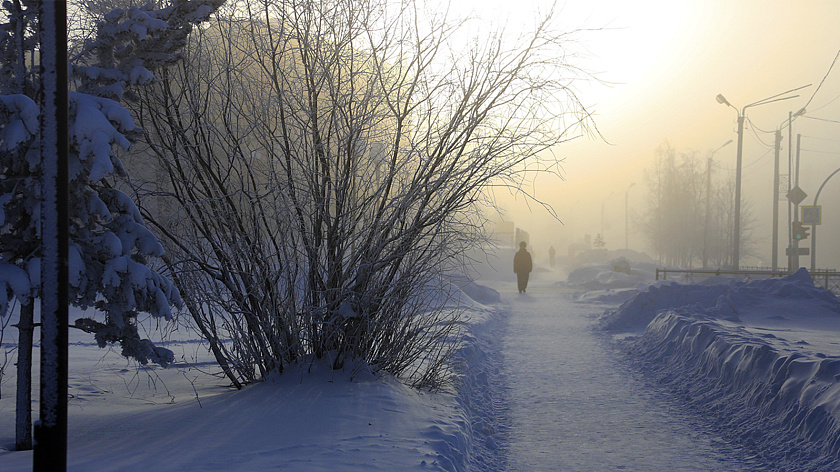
<point x="320" y="171"/>
<point x="113" y="259"/>
<point x="126" y="335"/>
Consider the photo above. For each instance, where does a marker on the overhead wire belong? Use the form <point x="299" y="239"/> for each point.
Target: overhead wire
<point x="808" y="103"/>
<point x="826" y="104"/>
<point x="820" y="119"/>
<point x="833" y="153"/>
<point x="756" y="161"/>
<point x="823" y="80"/>
<point x="821" y="139"/>
<point x="759" y="159"/>
<point x="753" y="125"/>
<point x="818" y="151"/>
<point x="752" y="128"/>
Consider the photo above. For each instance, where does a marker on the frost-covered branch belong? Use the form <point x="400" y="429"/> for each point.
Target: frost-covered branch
<point x="323" y="165"/>
<point x="111" y="258"/>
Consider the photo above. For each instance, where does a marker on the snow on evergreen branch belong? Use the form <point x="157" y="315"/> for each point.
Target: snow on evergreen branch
<point x="110" y="248"/>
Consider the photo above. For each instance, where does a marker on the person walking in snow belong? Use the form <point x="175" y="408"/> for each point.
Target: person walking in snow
<point x="522" y="266"/>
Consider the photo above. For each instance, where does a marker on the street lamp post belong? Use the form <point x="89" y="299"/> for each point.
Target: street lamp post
<point x="627" y="216"/>
<point x="814" y="226"/>
<point x="736" y="236"/>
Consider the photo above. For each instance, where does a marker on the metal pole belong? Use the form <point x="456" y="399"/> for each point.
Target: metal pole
<point x="708" y="210"/>
<point x="736" y="237"/>
<point x="775" y="239"/>
<point x="814" y="227"/>
<point x="789" y="203"/>
<point x="627" y="216"/>
<point x="50" y="448"/>
<point x="795" y="242"/>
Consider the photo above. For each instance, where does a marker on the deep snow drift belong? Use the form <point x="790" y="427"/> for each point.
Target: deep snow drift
<point x="761" y="359"/>
<point x="125" y="417"/>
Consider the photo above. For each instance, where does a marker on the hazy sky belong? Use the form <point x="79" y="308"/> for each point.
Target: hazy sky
<point x="667" y="60"/>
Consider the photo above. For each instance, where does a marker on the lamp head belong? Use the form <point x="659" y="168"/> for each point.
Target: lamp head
<point x="722" y="100"/>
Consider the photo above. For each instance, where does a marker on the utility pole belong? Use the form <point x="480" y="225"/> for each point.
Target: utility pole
<point x="736" y="237"/>
<point x="789" y="188"/>
<point x="708" y="210"/>
<point x="775" y="239"/>
<point x="793" y="247"/>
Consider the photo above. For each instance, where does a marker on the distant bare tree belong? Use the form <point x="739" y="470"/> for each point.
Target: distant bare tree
<point x="675" y="219"/>
<point x="320" y="169"/>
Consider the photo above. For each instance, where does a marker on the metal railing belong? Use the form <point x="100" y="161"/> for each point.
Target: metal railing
<point x="826" y="278"/>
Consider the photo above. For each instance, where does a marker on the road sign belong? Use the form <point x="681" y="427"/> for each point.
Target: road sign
<point x="796" y="195"/>
<point x="801" y="251"/>
<point x="811" y="215"/>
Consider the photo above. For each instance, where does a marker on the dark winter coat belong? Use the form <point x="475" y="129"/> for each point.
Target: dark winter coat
<point x="522" y="262"/>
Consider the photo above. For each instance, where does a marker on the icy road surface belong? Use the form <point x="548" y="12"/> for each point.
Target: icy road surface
<point x="575" y="405"/>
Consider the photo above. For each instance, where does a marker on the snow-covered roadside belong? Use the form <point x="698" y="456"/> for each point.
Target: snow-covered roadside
<point x="761" y="359"/>
<point x="310" y="418"/>
<point x="479" y="392"/>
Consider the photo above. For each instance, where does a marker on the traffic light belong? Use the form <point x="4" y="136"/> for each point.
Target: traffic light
<point x="800" y="231"/>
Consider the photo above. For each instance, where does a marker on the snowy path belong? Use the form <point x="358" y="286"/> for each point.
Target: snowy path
<point x="575" y="406"/>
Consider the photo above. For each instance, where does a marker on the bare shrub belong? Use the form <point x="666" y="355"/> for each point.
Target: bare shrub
<point x="321" y="166"/>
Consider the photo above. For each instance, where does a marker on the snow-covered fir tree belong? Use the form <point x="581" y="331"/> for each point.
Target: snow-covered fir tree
<point x="111" y="252"/>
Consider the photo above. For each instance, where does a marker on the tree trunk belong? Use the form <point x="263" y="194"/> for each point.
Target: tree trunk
<point x="23" y="414"/>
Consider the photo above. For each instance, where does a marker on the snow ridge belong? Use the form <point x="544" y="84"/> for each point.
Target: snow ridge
<point x="640" y="310"/>
<point x="783" y="405"/>
<point x="481" y="391"/>
<point x="714" y="345"/>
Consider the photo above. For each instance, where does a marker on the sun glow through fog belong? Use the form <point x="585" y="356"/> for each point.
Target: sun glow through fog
<point x="659" y="65"/>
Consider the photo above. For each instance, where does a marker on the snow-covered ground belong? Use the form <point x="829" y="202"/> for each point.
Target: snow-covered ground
<point x="594" y="370"/>
<point x="760" y="359"/>
<point x="128" y="418"/>
<point x="574" y="404"/>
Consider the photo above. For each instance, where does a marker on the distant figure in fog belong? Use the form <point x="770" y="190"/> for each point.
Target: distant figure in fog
<point x="551" y="253"/>
<point x="522" y="266"/>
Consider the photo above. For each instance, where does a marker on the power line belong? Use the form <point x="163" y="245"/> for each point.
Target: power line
<point x="826" y="104"/>
<point x="753" y="126"/>
<point x="763" y="156"/>
<point x="833" y="153"/>
<point x="745" y="166"/>
<point x="821" y="119"/>
<point x="823" y="79"/>
<point x="752" y="129"/>
<point x="821" y="139"/>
